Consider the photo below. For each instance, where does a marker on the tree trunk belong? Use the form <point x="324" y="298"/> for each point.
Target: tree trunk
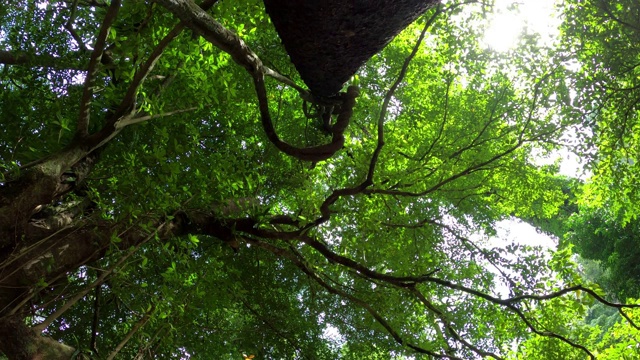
<point x="19" y="342"/>
<point x="329" y="40"/>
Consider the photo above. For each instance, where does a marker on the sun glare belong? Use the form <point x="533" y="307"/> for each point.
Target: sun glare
<point x="511" y="18"/>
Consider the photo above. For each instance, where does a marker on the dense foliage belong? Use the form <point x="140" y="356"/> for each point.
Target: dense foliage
<point x="148" y="211"/>
<point x="602" y="37"/>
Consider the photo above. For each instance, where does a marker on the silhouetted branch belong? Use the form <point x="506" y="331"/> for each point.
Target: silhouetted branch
<point x="98" y="50"/>
<point x="137" y="326"/>
<point x="355" y="300"/>
<point x="69" y="26"/>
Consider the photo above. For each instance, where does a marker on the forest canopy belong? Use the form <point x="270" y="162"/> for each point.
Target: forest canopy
<point x="171" y="188"/>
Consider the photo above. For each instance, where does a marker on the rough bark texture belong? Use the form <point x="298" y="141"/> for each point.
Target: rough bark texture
<point x="22" y="343"/>
<point x="329" y="40"/>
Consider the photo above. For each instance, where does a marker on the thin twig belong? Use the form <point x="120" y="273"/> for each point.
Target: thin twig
<point x="450" y="329"/>
<point x="90" y="78"/>
<point x="126" y="121"/>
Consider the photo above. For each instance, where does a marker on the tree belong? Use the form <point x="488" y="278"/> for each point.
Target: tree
<point x="599" y="236"/>
<point x="602" y="37"/>
<point x="166" y="194"/>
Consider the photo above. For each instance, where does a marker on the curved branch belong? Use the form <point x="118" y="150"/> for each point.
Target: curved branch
<point x="203" y="24"/>
<point x="550" y="334"/>
<point x="314" y="153"/>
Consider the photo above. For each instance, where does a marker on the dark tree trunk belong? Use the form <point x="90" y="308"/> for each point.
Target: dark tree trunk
<point x="329" y="40"/>
<point x="19" y="342"/>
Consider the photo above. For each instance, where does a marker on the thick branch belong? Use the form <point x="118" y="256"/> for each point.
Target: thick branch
<point x="315" y="153"/>
<point x="44" y="60"/>
<point x="199" y="223"/>
<point x="18" y="342"/>
<point x="38" y="185"/>
<point x="203" y="24"/>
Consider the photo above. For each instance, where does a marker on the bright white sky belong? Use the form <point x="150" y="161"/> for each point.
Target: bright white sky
<point x="510" y="18"/>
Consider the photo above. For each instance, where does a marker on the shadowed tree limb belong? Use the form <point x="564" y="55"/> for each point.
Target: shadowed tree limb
<point x="44" y="60"/>
<point x="14" y="335"/>
<point x="69" y="26"/>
